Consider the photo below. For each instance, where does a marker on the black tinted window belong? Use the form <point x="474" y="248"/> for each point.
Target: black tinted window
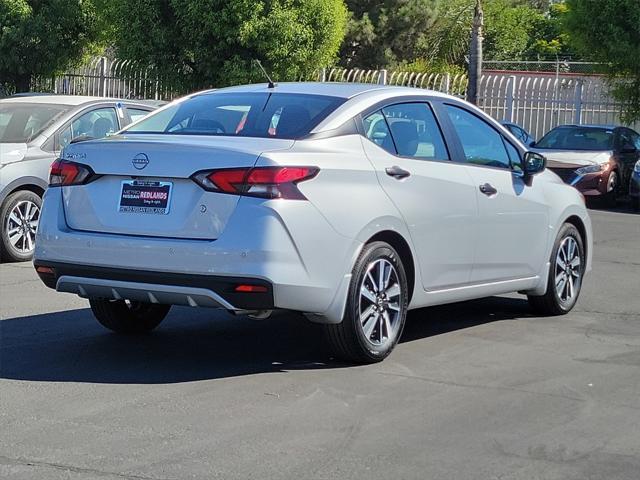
<point x="377" y="130"/>
<point x="415" y="131"/>
<point x="277" y="115"/>
<point x="482" y="144"/>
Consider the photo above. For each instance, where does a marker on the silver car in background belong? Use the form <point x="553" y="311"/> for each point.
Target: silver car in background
<point x="349" y="203"/>
<point x="34" y="129"/>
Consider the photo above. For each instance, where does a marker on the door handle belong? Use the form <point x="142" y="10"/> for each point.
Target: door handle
<point x="397" y="172"/>
<point x="488" y="189"/>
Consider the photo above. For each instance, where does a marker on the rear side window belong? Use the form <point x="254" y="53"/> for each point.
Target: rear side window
<point x="482" y="144"/>
<point x="415" y="131"/>
<point x="275" y="115"/>
<point x="136" y="113"/>
<point x="377" y="130"/>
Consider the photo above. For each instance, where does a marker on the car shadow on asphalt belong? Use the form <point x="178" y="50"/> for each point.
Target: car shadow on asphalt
<point x="199" y="344"/>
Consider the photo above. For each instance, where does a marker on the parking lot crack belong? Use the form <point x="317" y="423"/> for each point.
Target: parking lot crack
<point x="71" y="468"/>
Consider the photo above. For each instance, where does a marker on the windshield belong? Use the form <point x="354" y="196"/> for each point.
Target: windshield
<point x="22" y="122"/>
<point x="266" y="115"/>
<point x="577" y="138"/>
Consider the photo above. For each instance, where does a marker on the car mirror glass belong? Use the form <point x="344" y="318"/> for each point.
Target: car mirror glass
<point x="534" y="163"/>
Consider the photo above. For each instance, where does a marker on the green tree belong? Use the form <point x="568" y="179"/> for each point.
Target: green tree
<point x="508" y="29"/>
<point x="203" y="43"/>
<point x="609" y="32"/>
<point x="385" y="32"/>
<point x="41" y="37"/>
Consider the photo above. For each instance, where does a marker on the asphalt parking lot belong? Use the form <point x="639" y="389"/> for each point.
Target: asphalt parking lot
<point x="478" y="390"/>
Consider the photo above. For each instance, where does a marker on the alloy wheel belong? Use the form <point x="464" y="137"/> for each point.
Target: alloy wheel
<point x="21" y="226"/>
<point x="380" y="303"/>
<point x="568" y="270"/>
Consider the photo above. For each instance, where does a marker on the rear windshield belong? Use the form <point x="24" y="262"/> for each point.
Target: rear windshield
<point x="22" y="122"/>
<point x="577" y="138"/>
<point x="266" y="115"/>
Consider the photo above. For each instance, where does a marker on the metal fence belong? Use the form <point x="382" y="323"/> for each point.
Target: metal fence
<point x="536" y="100"/>
<point x="108" y="78"/>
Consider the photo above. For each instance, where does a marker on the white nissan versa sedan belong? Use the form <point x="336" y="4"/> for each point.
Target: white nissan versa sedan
<point x="350" y="203"/>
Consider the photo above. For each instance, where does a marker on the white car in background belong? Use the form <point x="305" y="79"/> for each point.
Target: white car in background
<point x="34" y="128"/>
<point x="350" y="203"/>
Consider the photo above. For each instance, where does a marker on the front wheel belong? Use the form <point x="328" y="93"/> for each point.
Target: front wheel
<point x="124" y="316"/>
<point x="20" y="215"/>
<point x="613" y="187"/>
<point x="565" y="274"/>
<point x="376" y="307"/>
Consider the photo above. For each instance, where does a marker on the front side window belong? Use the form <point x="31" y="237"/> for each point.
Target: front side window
<point x="482" y="144"/>
<point x="415" y="131"/>
<point x="97" y="123"/>
<point x="265" y="115"/>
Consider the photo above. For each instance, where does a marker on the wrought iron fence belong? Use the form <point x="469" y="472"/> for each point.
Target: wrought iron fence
<point x="109" y="78"/>
<point x="536" y="100"/>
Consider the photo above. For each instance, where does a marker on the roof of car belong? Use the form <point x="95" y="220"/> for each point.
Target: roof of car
<point x="607" y="127"/>
<point x="332" y="89"/>
<point x="72" y="100"/>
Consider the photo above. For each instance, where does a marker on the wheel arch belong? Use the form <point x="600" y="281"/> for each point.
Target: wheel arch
<point x="401" y="246"/>
<point x="577" y="222"/>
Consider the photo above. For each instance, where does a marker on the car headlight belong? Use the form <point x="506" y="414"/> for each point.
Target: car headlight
<point x="637" y="167"/>
<point x="592" y="169"/>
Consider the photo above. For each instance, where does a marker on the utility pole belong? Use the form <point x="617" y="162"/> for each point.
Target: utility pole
<point x="475" y="54"/>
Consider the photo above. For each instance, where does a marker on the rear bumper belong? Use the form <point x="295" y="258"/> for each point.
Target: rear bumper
<point x="157" y="287"/>
<point x="288" y="246"/>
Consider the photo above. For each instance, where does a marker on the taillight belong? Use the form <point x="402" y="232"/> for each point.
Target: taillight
<point x="64" y="173"/>
<point x="264" y="182"/>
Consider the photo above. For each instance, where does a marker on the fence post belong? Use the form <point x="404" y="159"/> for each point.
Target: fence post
<point x="447" y="82"/>
<point x="323" y="75"/>
<point x="102" y="85"/>
<point x="511" y="93"/>
<point x="382" y="79"/>
<point x="577" y="102"/>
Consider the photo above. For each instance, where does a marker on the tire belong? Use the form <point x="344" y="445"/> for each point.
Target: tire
<point x="565" y="278"/>
<point x="635" y="203"/>
<point x="613" y="190"/>
<point x="373" y="338"/>
<point x="19" y="214"/>
<point x="123" y="316"/>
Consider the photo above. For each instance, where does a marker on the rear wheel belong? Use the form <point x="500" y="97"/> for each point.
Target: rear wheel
<point x="20" y="214"/>
<point x="635" y="203"/>
<point x="565" y="274"/>
<point x="376" y="307"/>
<point x="124" y="316"/>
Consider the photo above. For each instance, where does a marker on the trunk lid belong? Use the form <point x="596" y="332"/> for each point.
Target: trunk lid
<point x="157" y="167"/>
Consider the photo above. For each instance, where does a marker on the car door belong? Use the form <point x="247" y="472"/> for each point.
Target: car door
<point x="513" y="220"/>
<point x="435" y="196"/>
<point x="627" y="153"/>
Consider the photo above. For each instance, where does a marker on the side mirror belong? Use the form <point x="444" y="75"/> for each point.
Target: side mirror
<point x="534" y="163"/>
<point x="628" y="148"/>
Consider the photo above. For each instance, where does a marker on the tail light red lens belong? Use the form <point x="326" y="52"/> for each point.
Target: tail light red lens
<point x="64" y="173"/>
<point x="264" y="182"/>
